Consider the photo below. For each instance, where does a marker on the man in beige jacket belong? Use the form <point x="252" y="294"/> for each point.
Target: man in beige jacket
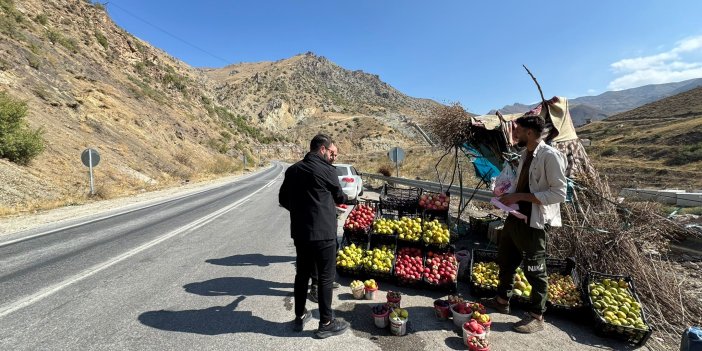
<point x="539" y="190"/>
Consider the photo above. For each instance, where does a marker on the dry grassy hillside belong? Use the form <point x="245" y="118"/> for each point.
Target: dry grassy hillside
<point x="89" y="83"/>
<point x="655" y="145"/>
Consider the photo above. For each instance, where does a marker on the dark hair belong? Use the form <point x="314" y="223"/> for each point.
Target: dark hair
<point x="535" y="123"/>
<point x="320" y="140"/>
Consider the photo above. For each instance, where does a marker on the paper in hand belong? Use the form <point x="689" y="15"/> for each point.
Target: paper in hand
<point x="509" y="209"/>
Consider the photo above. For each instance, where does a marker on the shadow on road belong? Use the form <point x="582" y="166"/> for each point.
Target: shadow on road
<point x="234" y="286"/>
<point x="250" y="260"/>
<point x="217" y="320"/>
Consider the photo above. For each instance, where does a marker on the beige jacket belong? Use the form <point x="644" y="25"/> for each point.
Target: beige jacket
<point x="547" y="181"/>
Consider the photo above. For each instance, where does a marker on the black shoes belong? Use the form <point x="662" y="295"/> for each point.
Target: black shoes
<point x="335" y="327"/>
<point x="300" y="321"/>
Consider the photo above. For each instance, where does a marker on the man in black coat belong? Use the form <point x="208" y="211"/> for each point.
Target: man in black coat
<point x="310" y="191"/>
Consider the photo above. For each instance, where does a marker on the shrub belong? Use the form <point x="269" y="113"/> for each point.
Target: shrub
<point x="41" y="19"/>
<point x="102" y="40"/>
<point x="610" y="151"/>
<point x="385" y="170"/>
<point x="18" y="143"/>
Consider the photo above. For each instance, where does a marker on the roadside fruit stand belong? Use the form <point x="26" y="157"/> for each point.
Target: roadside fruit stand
<point x="403" y="239"/>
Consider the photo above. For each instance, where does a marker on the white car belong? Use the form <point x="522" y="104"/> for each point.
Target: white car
<point x="351" y="182"/>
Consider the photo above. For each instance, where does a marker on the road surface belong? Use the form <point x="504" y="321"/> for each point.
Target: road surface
<point x="209" y="271"/>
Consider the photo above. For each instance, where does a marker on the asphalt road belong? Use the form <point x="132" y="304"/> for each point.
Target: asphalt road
<point x="210" y="271"/>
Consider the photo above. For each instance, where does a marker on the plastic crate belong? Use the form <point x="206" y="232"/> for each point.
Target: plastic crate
<point x="411" y="283"/>
<point x="358" y="236"/>
<point x="479" y="225"/>
<point x="430" y="214"/>
<point x="566" y="267"/>
<point x="385" y="276"/>
<point x="632" y="335"/>
<point x="401" y="199"/>
<point x="479" y="255"/>
<point x="447" y="287"/>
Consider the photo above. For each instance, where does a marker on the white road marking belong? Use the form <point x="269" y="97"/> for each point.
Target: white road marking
<point x="117" y="214"/>
<point x="28" y="300"/>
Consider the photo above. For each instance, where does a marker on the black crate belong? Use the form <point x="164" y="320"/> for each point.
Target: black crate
<point x="442" y="215"/>
<point x="385" y="276"/>
<point x="632" y="335"/>
<point x="479" y="225"/>
<point x="479" y="255"/>
<point x="357" y="236"/>
<point x="401" y="199"/>
<point x="413" y="283"/>
<point x="566" y="267"/>
<point x="447" y="287"/>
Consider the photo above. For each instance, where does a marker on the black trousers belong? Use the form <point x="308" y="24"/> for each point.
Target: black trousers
<point x="321" y="254"/>
<point x="314" y="269"/>
<point x="518" y="239"/>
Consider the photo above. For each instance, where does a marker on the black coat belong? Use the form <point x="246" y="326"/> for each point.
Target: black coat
<point x="310" y="191"/>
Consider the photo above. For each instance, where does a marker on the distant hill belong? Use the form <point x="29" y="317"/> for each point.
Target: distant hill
<point x="655" y="145"/>
<point x="598" y="107"/>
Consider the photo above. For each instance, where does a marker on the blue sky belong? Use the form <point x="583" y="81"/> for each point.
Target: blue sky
<point x="450" y="51"/>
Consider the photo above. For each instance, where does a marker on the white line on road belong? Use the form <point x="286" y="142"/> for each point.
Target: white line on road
<point x="121" y="213"/>
<point x="28" y="300"/>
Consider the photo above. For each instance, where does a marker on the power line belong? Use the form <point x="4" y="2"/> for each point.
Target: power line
<point x="112" y="4"/>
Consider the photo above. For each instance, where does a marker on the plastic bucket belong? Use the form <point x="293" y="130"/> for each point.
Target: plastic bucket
<point x="398" y="327"/>
<point x="487" y="325"/>
<point x="442" y="312"/>
<point x="458" y="318"/>
<point x="381" y="320"/>
<point x="371" y="294"/>
<point x="467" y="334"/>
<point x="359" y="293"/>
<point x="394" y="303"/>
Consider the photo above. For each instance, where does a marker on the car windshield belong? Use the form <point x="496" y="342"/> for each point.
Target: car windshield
<point x="342" y="171"/>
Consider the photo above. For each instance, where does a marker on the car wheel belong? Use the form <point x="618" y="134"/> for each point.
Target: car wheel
<point x="361" y="193"/>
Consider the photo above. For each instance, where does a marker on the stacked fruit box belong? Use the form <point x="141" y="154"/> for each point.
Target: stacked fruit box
<point x="483" y="273"/>
<point x="435" y="205"/>
<point x="379" y="262"/>
<point x="441" y="270"/>
<point x="399" y="201"/>
<point x="565" y="293"/>
<point x="409" y="267"/>
<point x="349" y="260"/>
<point x="357" y="226"/>
<point x="616" y="309"/>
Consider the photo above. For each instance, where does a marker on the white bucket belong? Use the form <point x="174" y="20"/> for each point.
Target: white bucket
<point x="382" y="321"/>
<point x="358" y="293"/>
<point x="398" y="328"/>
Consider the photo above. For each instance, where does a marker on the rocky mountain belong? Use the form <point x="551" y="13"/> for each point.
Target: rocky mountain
<point x="598" y="107"/>
<point x="157" y="121"/>
<point x="656" y="145"/>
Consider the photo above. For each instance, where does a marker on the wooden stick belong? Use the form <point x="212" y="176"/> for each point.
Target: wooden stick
<point x="543" y="101"/>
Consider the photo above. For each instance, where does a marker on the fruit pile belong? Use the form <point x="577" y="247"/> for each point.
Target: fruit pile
<point x="370" y="284"/>
<point x="393" y="295"/>
<point x="474" y="327"/>
<point x="476" y="343"/>
<point x="436" y="233"/>
<point x="455" y="299"/>
<point x="380" y="310"/>
<point x="356" y="284"/>
<point x="409" y="229"/>
<point x="562" y="291"/>
<point x="379" y="259"/>
<point x="409" y="265"/>
<point x="399" y="314"/>
<point x="613" y="302"/>
<point x="349" y="257"/>
<point x="521" y="284"/>
<point x="433" y="201"/>
<point x="360" y="218"/>
<point x="463" y="308"/>
<point x="440" y="268"/>
<point x="485" y="274"/>
<point x="385" y="226"/>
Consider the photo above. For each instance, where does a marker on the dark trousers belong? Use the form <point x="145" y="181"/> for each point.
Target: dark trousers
<point x="322" y="254"/>
<point x="314" y="269"/>
<point x="519" y="238"/>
